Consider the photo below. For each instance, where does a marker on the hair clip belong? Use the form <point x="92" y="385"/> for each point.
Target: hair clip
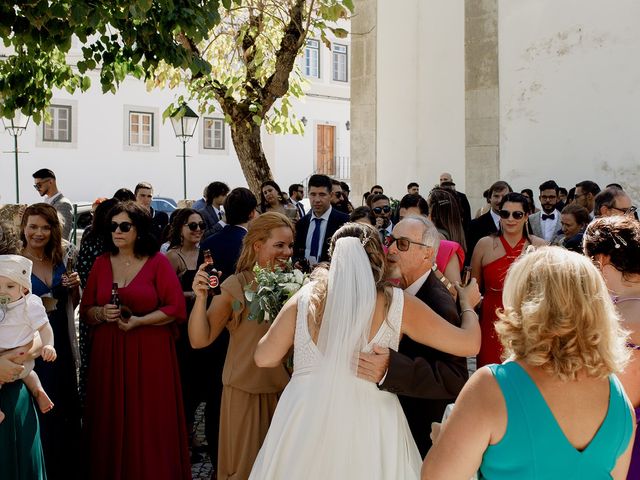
<point x="365" y="239"/>
<point x="620" y="239"/>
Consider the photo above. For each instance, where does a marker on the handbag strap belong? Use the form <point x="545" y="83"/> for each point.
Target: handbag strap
<point x="445" y="281"/>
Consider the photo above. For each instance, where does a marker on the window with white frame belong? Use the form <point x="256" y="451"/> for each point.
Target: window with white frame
<point x="59" y="128"/>
<point x="340" y="63"/>
<point x="312" y="58"/>
<point x="213" y="133"/>
<point x="141" y="129"/>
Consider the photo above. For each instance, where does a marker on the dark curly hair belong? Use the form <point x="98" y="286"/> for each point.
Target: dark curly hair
<point x="264" y="205"/>
<point x="178" y="221"/>
<point x="618" y="237"/>
<point x="146" y="244"/>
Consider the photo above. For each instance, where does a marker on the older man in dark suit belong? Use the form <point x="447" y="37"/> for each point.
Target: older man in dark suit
<point x="314" y="230"/>
<point x="426" y="379"/>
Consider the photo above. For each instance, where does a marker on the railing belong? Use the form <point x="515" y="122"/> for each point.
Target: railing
<point x="340" y="169"/>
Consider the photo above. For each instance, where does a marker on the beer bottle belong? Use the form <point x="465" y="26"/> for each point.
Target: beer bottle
<point x="115" y="297"/>
<point x="212" y="271"/>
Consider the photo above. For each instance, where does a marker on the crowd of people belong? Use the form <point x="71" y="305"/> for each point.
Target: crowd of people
<point x="401" y="293"/>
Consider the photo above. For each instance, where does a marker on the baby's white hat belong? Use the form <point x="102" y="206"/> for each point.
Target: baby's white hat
<point x="17" y="268"/>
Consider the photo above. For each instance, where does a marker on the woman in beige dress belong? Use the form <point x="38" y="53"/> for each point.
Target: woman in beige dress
<point x="250" y="393"/>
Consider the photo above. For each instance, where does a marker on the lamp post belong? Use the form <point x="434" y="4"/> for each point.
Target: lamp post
<point x="184" y="123"/>
<point x="16" y="126"/>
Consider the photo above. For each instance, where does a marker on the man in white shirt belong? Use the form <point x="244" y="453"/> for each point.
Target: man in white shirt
<point x="296" y="194"/>
<point x="546" y="223"/>
<point x="45" y="184"/>
<point x="314" y="230"/>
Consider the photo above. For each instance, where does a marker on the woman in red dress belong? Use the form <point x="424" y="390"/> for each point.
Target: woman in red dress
<point x="491" y="259"/>
<point x="134" y="420"/>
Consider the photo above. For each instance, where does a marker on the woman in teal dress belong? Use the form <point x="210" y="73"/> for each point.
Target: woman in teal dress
<point x="21" y="455"/>
<point x="555" y="409"/>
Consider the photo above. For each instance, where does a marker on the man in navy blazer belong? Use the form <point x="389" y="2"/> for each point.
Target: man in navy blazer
<point x="315" y="229"/>
<point x="488" y="223"/>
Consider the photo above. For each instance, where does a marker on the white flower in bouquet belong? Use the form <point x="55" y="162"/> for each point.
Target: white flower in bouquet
<point x="271" y="290"/>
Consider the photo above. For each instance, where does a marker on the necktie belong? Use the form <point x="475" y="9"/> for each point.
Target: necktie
<point x="315" y="239"/>
<point x="551" y="216"/>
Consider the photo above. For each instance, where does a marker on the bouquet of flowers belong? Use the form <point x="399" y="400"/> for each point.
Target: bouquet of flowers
<point x="274" y="288"/>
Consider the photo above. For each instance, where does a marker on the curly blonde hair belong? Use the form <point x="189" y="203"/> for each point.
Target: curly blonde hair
<point x="558" y="315"/>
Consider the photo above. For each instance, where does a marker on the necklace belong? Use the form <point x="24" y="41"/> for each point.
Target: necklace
<point x="35" y="257"/>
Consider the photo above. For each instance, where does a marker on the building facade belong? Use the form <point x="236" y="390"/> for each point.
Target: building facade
<point x="97" y="143"/>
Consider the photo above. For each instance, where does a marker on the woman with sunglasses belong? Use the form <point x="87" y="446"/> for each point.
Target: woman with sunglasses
<point x="492" y="257"/>
<point x="42" y="243"/>
<point x="134" y="421"/>
<point x="185" y="232"/>
<point x="613" y="243"/>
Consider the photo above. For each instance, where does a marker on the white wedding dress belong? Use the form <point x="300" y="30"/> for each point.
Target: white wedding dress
<point x="354" y="432"/>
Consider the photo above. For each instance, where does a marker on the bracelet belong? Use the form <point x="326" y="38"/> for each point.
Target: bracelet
<point x="100" y="318"/>
<point x="470" y="310"/>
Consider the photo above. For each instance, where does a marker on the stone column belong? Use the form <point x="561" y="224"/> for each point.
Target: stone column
<point x="482" y="100"/>
<point x="363" y="98"/>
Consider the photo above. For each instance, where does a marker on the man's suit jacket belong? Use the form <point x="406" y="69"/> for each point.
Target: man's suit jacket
<point x="426" y="379"/>
<point x="465" y="209"/>
<point x="225" y="248"/>
<point x="210" y="217"/>
<point x="336" y="220"/>
<point x="535" y="222"/>
<point x="64" y="207"/>
<point x="478" y="228"/>
<point x="160" y="221"/>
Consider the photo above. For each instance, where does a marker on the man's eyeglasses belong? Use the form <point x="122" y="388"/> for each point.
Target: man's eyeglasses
<point x="338" y="194"/>
<point x="37" y="185"/>
<point x="402" y="243"/>
<point x="379" y="210"/>
<point x="123" y="226"/>
<point x="193" y="226"/>
<point x="517" y="215"/>
<point x="626" y="211"/>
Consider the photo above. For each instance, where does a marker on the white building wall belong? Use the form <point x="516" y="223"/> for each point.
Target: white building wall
<point x="420" y="93"/>
<point x="569" y="92"/>
<point x="98" y="161"/>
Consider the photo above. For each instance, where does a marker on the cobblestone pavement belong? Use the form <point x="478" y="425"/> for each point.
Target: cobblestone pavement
<point x="201" y="468"/>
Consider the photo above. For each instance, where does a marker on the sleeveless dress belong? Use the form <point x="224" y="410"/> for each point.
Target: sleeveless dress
<point x="534" y="446"/>
<point x="388" y="442"/>
<point x="493" y="275"/>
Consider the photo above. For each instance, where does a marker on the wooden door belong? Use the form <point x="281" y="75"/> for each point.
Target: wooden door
<point x="325" y="149"/>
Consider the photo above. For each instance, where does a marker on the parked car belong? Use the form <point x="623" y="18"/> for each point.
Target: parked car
<point x="164" y="204"/>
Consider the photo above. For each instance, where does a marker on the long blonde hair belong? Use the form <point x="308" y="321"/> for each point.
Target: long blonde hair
<point x="558" y="315"/>
<point x="259" y="230"/>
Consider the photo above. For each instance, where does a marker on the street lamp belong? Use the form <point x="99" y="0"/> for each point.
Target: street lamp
<point x="16" y="126"/>
<point x="184" y="123"/>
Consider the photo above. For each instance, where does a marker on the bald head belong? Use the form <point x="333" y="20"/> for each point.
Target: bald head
<point x="445" y="177"/>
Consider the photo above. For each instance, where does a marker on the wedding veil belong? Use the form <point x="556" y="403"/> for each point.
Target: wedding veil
<point x="340" y="410"/>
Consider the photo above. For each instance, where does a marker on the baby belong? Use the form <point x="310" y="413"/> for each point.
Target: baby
<point x="21" y="315"/>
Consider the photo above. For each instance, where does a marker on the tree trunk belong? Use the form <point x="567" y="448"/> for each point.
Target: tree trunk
<point x="248" y="144"/>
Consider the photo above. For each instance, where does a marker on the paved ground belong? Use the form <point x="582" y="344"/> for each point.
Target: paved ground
<point x="200" y="464"/>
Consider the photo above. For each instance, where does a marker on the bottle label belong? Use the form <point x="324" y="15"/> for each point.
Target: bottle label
<point x="213" y="281"/>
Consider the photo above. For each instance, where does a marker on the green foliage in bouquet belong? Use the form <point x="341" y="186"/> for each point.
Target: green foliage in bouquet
<point x="274" y="288"/>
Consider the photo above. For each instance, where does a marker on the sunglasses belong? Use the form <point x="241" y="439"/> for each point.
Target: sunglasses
<point x="626" y="211"/>
<point x="123" y="226"/>
<point x="379" y="210"/>
<point x="402" y="243"/>
<point x="193" y="226"/>
<point x="338" y="194"/>
<point x="40" y="184"/>
<point x="517" y="215"/>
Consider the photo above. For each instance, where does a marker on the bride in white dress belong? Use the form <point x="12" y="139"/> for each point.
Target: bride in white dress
<point x="329" y="424"/>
